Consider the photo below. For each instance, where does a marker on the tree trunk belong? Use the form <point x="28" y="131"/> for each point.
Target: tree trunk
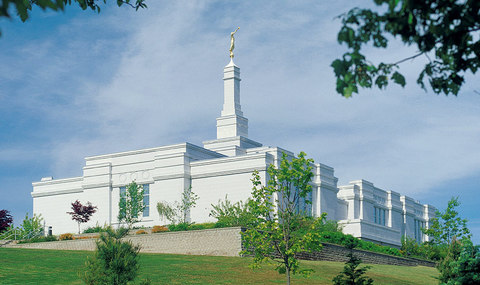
<point x="78" y="228"/>
<point x="287" y="272"/>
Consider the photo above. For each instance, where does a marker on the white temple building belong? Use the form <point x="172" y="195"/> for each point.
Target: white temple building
<point x="221" y="167"/>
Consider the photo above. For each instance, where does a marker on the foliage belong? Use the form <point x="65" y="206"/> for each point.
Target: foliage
<point x="31" y="226"/>
<point x="230" y="214"/>
<point x="444" y="31"/>
<point x="141" y="232"/>
<point x="159" y="229"/>
<point x="131" y="204"/>
<point x="190" y="227"/>
<point x="426" y="250"/>
<point x="277" y="235"/>
<point x="82" y="213"/>
<point x="447" y="225"/>
<point x="6" y="220"/>
<point x="66" y="236"/>
<point x="96" y="229"/>
<point x="465" y="268"/>
<point x="38" y="239"/>
<point x="24" y="7"/>
<point x="115" y="261"/>
<point x="351" y="274"/>
<point x="452" y="255"/>
<point x="178" y="212"/>
<point x="346" y="239"/>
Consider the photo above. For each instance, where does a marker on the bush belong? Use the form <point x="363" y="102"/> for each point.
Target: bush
<point x="141" y="232"/>
<point x="115" y="261"/>
<point x="96" y="229"/>
<point x="179" y="227"/>
<point x="159" y="229"/>
<point x="230" y="214"/>
<point x="344" y="239"/>
<point x="39" y="239"/>
<point x="66" y="237"/>
<point x="202" y="226"/>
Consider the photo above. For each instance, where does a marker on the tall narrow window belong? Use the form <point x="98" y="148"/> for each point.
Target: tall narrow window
<point x="379" y="216"/>
<point x="418" y="225"/>
<point x="146" y="200"/>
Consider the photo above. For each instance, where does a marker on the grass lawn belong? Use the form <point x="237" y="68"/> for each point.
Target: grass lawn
<point x="31" y="266"/>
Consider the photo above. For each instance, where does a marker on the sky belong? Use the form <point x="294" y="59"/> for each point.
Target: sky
<point x="77" y="83"/>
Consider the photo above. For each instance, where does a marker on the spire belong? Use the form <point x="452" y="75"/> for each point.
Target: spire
<point x="231" y="123"/>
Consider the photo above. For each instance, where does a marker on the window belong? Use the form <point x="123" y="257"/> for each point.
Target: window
<point x="418" y="226"/>
<point x="146" y="197"/>
<point x="146" y="200"/>
<point x="379" y="216"/>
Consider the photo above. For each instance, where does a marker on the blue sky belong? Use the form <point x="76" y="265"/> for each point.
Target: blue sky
<point x="78" y="84"/>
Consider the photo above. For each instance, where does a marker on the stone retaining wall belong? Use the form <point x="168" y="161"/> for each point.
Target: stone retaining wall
<point x="218" y="242"/>
<point x="333" y="252"/>
<point x="221" y="242"/>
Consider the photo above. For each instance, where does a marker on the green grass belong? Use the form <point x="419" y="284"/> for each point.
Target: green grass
<point x="30" y="266"/>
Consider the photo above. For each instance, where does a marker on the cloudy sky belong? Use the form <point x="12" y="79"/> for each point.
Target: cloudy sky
<point x="78" y="84"/>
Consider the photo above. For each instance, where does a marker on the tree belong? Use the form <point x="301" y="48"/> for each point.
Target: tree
<point x="131" y="204"/>
<point x="115" y="261"/>
<point x="178" y="211"/>
<point x="6" y="220"/>
<point x="447" y="225"/>
<point x="444" y="31"/>
<point x="24" y="7"/>
<point x="449" y="232"/>
<point x="465" y="269"/>
<point x="281" y="209"/>
<point x="351" y="274"/>
<point x="82" y="213"/>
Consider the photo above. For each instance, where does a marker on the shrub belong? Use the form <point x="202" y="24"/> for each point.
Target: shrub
<point x="115" y="261"/>
<point x="141" y="232"/>
<point x="67" y="236"/>
<point x="179" y="227"/>
<point x="96" y="229"/>
<point x="39" y="239"/>
<point x="202" y="226"/>
<point x="344" y="239"/>
<point x="230" y="214"/>
<point x="159" y="229"/>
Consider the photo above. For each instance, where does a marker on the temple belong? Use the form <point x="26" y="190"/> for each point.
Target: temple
<point x="223" y="167"/>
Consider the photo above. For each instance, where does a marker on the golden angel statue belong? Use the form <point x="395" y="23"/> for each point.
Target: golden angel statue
<point x="232" y="42"/>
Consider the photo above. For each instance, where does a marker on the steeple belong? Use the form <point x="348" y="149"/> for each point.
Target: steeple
<point x="232" y="126"/>
<point x="231" y="123"/>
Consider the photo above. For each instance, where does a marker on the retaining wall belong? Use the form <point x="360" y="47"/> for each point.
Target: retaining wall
<point x="221" y="242"/>
<point x="218" y="242"/>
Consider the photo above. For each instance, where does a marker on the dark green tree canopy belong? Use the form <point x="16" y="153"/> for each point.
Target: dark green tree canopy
<point x="24" y="7"/>
<point x="446" y="32"/>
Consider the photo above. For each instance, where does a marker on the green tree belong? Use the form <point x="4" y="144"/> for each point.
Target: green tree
<point x="465" y="268"/>
<point x="131" y="204"/>
<point x="447" y="225"/>
<point x="351" y="274"/>
<point x="178" y="212"/>
<point x="23" y="8"/>
<point x="281" y="210"/>
<point x="31" y="227"/>
<point x="115" y="261"/>
<point x="444" y="31"/>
